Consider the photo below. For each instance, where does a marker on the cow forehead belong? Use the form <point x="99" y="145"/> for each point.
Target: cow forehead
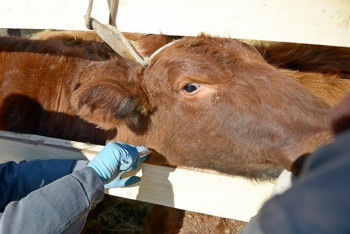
<point x="213" y="56"/>
<point x="211" y="48"/>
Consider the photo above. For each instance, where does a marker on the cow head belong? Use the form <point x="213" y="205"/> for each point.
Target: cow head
<point x="206" y="102"/>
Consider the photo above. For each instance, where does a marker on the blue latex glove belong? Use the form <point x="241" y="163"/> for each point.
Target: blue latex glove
<point x="114" y="160"/>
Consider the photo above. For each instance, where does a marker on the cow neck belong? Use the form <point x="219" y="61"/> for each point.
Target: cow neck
<point x="306" y="147"/>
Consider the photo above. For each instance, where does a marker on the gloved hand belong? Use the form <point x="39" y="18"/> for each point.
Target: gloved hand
<point x="114" y="160"/>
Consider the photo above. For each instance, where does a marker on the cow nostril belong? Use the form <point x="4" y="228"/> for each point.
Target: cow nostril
<point x="191" y="88"/>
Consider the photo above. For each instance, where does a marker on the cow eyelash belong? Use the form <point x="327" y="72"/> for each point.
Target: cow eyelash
<point x="191" y="88"/>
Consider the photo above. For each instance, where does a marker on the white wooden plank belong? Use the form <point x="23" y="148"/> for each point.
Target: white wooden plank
<point x="324" y="22"/>
<point x="199" y="191"/>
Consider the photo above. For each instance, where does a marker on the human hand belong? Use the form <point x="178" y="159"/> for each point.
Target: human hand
<point x="114" y="160"/>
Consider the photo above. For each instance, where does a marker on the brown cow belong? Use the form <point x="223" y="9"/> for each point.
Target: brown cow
<point x="224" y="86"/>
<point x="248" y="118"/>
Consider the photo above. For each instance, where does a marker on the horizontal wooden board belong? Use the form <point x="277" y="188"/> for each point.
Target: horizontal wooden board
<point x="184" y="188"/>
<point x="324" y="22"/>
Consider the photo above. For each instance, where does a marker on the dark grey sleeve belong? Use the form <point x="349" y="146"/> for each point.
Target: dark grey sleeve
<point x="59" y="207"/>
<point x="19" y="179"/>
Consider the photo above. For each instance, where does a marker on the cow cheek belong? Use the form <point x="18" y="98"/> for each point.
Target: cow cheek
<point x="183" y="130"/>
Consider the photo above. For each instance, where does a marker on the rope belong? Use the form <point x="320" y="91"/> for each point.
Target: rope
<point x="88" y="16"/>
<point x="113" y="9"/>
<point x="112" y="36"/>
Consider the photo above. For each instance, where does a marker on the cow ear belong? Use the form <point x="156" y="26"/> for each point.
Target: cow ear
<point x="111" y="102"/>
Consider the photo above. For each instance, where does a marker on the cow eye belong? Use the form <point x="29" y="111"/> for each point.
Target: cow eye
<point x="191" y="87"/>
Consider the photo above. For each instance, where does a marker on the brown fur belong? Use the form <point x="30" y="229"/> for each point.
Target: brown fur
<point x="90" y="42"/>
<point x="252" y="109"/>
<point x="307" y="58"/>
<point x="328" y="87"/>
<point x="56" y="47"/>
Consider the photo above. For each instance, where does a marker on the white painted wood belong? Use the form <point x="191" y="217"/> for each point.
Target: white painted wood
<point x="200" y="191"/>
<point x="324" y="22"/>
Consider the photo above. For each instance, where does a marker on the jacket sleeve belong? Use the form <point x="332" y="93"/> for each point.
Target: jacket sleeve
<point x="60" y="207"/>
<point x="18" y="180"/>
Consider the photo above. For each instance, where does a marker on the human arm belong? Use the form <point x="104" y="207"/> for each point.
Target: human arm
<point x="59" y="207"/>
<point x="18" y="180"/>
<point x="62" y="206"/>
